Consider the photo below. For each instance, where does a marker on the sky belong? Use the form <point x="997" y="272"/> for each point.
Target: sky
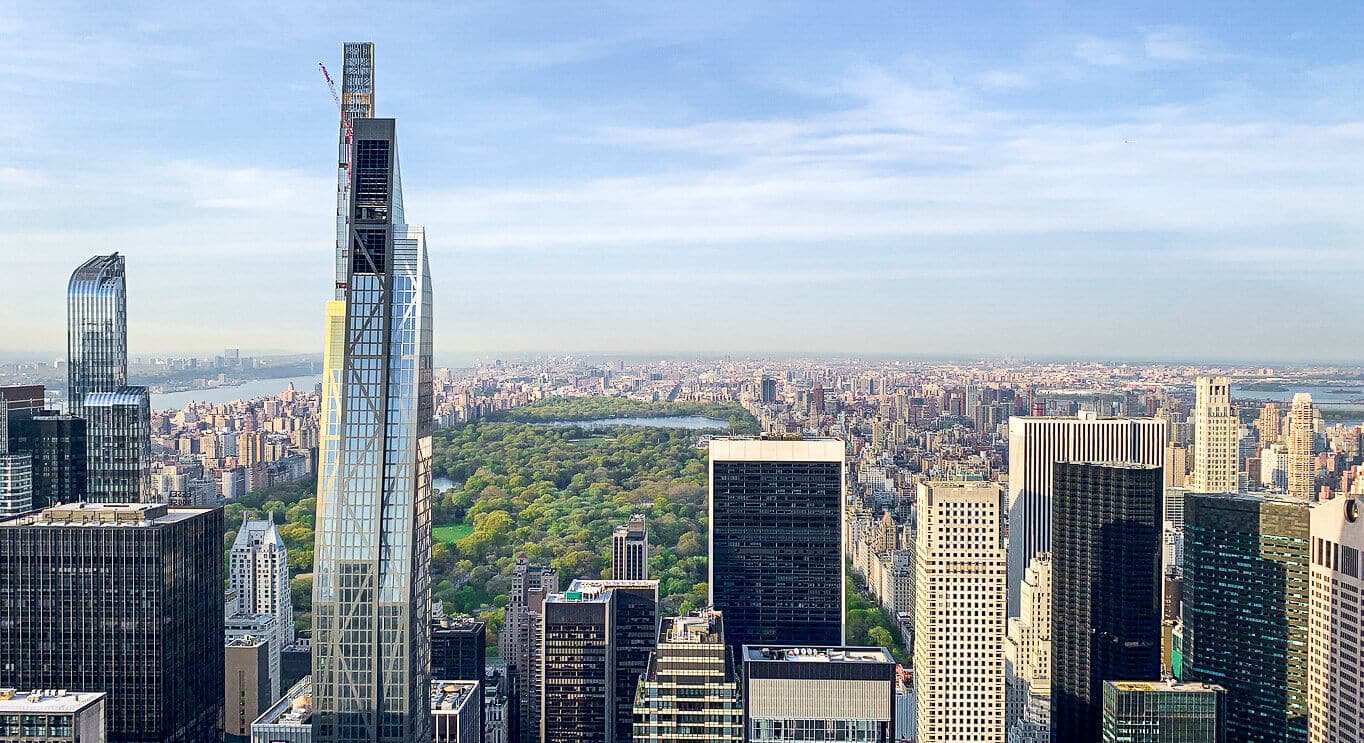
<point x="1037" y="179"/>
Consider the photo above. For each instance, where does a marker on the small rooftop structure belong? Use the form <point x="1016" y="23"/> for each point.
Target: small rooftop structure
<point x="807" y="654"/>
<point x="452" y="695"/>
<point x="105" y="515"/>
<point x="40" y="701"/>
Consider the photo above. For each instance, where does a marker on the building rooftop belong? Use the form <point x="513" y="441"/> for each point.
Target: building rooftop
<point x="700" y="627"/>
<point x="798" y="654"/>
<point x="106" y="514"/>
<point x="47" y="700"/>
<point x="245" y="641"/>
<point x="1169" y="685"/>
<point x="452" y="695"/>
<point x="296" y="708"/>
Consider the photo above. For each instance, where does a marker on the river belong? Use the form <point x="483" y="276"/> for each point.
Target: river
<point x="252" y="389"/>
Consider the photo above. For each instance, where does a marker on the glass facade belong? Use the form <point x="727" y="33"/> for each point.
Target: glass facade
<point x="371" y="596"/>
<point x="58" y="446"/>
<point x="1147" y="712"/>
<point x="1105" y="609"/>
<point x="776" y="550"/>
<point x="124" y="602"/>
<point x="118" y="445"/>
<point x="1245" y="609"/>
<point x="97" y="330"/>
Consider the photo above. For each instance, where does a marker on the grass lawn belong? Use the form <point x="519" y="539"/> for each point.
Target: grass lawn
<point x="593" y="441"/>
<point x="451" y="533"/>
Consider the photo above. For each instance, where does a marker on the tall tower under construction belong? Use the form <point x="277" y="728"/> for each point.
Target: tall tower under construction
<point x="371" y="589"/>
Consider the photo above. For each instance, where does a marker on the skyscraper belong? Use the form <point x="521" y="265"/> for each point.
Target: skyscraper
<point x="630" y="550"/>
<point x="1302" y="468"/>
<point x="16" y="483"/>
<point x="1269" y="424"/>
<point x="1106" y="587"/>
<point x="118" y="417"/>
<point x="1027" y="656"/>
<point x="522" y="634"/>
<point x="690" y="691"/>
<point x="1215" y="437"/>
<point x="97" y="330"/>
<point x="57" y="443"/>
<point x="776" y="548"/>
<point x="634" y="635"/>
<point x="260" y="576"/>
<point x="357" y="102"/>
<point x="118" y="445"/>
<point x="123" y="599"/>
<point x="1036" y="444"/>
<point x="578" y="679"/>
<point x="459" y="652"/>
<point x="959" y="623"/>
<point x="371" y="593"/>
<point x="1158" y="712"/>
<point x="1335" y="691"/>
<point x="1245" y="609"/>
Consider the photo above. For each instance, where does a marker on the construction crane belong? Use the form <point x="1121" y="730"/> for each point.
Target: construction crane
<point x="345" y="122"/>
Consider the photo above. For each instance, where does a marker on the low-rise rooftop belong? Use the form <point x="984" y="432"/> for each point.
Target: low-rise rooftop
<point x="452" y="695"/>
<point x="807" y="654"/>
<point x="47" y="700"/>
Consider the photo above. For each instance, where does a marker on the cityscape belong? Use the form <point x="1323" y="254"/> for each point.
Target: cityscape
<point x="377" y="539"/>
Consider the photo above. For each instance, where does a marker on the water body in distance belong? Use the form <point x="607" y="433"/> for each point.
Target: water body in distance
<point x="253" y="389"/>
<point x="1347" y="394"/>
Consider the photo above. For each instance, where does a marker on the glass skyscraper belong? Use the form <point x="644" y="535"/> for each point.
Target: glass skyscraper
<point x="371" y="595"/>
<point x="97" y="330"/>
<point x="119" y="448"/>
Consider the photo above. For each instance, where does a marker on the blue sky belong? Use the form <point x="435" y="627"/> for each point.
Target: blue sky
<point x="1038" y="179"/>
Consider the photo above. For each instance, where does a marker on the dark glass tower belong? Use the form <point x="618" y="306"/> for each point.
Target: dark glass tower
<point x="1245" y="609"/>
<point x="58" y="447"/>
<point x="459" y="652"/>
<point x="97" y="330"/>
<point x="126" y="600"/>
<point x="577" y="684"/>
<point x="1105" y="606"/>
<point x="776" y="548"/>
<point x="371" y="590"/>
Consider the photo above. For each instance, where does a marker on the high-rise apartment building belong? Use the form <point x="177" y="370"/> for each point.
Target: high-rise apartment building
<point x="259" y="575"/>
<point x="1245" y="610"/>
<point x="1335" y="691"/>
<point x="1215" y="437"/>
<point x="959" y="622"/>
<point x="1302" y="467"/>
<point x="690" y="691"/>
<point x="1106" y="587"/>
<point x="1027" y="656"/>
<point x="97" y="330"/>
<point x="522" y="636"/>
<point x="630" y="550"/>
<point x="357" y="102"/>
<point x="1160" y="712"/>
<point x="118" y="445"/>
<point x="1038" y="443"/>
<point x="819" y="693"/>
<point x="249" y="687"/>
<point x="16" y="483"/>
<point x="371" y="592"/>
<point x="1269" y="424"/>
<point x="776" y="548"/>
<point x="122" y="599"/>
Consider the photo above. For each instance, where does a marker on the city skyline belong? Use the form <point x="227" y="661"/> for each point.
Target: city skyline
<point x="1113" y="173"/>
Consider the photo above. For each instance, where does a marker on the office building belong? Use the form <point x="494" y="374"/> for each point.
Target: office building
<point x="371" y="592"/>
<point x="578" y="683"/>
<point x="776" y="549"/>
<point x="459" y="652"/>
<point x="252" y="627"/>
<point x="118" y="445"/>
<point x="1245" y="610"/>
<point x="145" y="624"/>
<point x="1163" y="712"/>
<point x="1106" y="587"/>
<point x="619" y="620"/>
<point x="819" y="693"/>
<point x="248" y="687"/>
<point x="1216" y="436"/>
<point x="1335" y="691"/>
<point x="959" y="622"/>
<point x="1027" y="656"/>
<point x="690" y="691"/>
<point x="1036" y="444"/>
<point x="97" y="330"/>
<point x="456" y="712"/>
<point x="630" y="550"/>
<point x="52" y="716"/>
<point x="1302" y="467"/>
<point x="521" y="641"/>
<point x="289" y="720"/>
<point x="259" y="575"/>
<point x="16" y="483"/>
<point x="57" y="445"/>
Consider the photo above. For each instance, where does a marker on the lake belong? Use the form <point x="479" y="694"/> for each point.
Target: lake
<point x="252" y="389"/>
<point x="1322" y="395"/>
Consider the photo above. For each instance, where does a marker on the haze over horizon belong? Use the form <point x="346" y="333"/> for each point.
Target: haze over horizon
<point x="1045" y="180"/>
